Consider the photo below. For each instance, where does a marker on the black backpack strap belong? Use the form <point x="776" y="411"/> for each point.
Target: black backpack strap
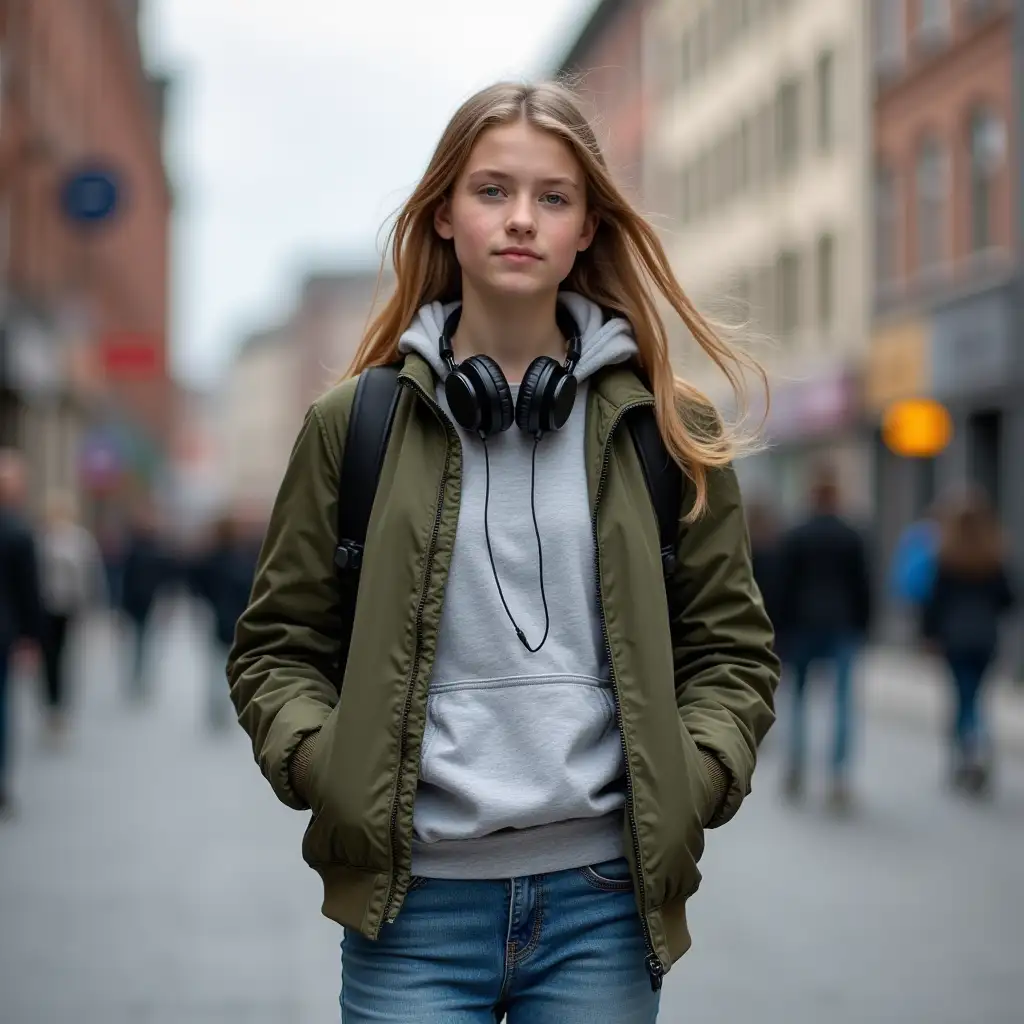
<point x="366" y="441"/>
<point x="664" y="481"/>
<point x="369" y="427"/>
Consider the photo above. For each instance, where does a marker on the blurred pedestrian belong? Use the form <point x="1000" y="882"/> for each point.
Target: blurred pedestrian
<point x="824" y="615"/>
<point x="970" y="593"/>
<point x="766" y="560"/>
<point x="20" y="598"/>
<point x="915" y="561"/>
<point x="222" y="578"/>
<point x="73" y="582"/>
<point x="147" y="569"/>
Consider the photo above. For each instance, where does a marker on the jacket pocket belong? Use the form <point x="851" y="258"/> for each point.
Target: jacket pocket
<point x="316" y="841"/>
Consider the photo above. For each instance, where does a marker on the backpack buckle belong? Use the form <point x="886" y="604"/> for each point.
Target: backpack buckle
<point x="668" y="561"/>
<point x="348" y="556"/>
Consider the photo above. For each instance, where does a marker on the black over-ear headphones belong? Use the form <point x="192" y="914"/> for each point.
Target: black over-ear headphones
<point x="480" y="398"/>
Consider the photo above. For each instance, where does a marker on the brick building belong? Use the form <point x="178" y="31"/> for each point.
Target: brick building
<point x="945" y="175"/>
<point x="605" y="62"/>
<point x="85" y="315"/>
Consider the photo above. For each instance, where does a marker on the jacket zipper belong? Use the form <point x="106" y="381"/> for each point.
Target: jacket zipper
<point x="387" y="916"/>
<point x="655" y="968"/>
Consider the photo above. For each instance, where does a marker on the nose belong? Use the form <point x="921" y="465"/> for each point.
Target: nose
<point x="521" y="217"/>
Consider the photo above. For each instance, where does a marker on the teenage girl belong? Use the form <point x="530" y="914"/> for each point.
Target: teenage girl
<point x="509" y="796"/>
<point x="969" y="597"/>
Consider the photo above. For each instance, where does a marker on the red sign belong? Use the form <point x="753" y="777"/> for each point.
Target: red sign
<point x="132" y="356"/>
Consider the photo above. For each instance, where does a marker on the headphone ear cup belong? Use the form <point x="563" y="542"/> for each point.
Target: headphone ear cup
<point x="493" y="395"/>
<point x="534" y="401"/>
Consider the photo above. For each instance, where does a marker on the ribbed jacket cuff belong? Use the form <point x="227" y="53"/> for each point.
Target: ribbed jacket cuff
<point x="299" y="766"/>
<point x="718" y="781"/>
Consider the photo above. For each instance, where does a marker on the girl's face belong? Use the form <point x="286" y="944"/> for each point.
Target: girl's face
<point x="517" y="213"/>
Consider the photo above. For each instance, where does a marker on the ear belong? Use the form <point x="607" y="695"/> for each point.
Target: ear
<point x="443" y="219"/>
<point x="588" y="231"/>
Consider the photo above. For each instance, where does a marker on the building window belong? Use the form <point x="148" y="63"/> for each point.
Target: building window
<point x="787" y="125"/>
<point x="934" y="21"/>
<point x="699" y="191"/>
<point x="988" y="150"/>
<point x="743" y="156"/>
<point x="932" y="180"/>
<point x="763" y="301"/>
<point x="741" y="290"/>
<point x="887" y="213"/>
<point x="713" y="184"/>
<point x="888" y="25"/>
<point x="701" y="43"/>
<point x="743" y="15"/>
<point x="788" y="282"/>
<point x="826" y="281"/>
<point x="981" y="9"/>
<point x="825" y="93"/>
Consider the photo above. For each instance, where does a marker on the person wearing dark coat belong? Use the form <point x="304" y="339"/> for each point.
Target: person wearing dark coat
<point x="21" y="607"/>
<point x="221" y="577"/>
<point x="148" y="568"/>
<point x="824" y="613"/>
<point x="970" y="593"/>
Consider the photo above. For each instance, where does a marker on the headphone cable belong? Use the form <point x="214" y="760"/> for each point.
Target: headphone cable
<point x="540" y="549"/>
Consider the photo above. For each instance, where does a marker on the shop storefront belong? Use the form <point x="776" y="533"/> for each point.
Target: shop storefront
<point x="974" y="374"/>
<point x="812" y="421"/>
<point x="899" y="367"/>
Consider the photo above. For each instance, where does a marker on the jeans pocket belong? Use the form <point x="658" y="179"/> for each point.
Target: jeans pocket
<point x="609" y="876"/>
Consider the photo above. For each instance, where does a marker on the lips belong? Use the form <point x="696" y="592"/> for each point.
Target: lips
<point x="514" y="252"/>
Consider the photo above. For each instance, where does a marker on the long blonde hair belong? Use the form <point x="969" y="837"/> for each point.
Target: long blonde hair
<point x="623" y="270"/>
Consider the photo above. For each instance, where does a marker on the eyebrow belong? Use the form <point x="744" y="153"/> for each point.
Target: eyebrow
<point x="495" y="175"/>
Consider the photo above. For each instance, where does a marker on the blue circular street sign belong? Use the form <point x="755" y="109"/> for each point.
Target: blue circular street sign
<point x="90" y="195"/>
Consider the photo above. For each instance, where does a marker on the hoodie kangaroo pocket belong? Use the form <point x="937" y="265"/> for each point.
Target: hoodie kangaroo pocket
<point x="517" y="753"/>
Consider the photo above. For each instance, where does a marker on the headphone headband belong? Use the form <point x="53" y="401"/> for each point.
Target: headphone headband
<point x="563" y="318"/>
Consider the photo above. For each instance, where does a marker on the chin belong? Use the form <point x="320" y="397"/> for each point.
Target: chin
<point x="519" y="284"/>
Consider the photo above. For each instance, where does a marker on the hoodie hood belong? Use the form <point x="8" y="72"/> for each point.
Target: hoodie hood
<point x="604" y="342"/>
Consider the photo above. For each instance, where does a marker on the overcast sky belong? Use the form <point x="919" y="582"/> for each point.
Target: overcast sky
<point x="297" y="128"/>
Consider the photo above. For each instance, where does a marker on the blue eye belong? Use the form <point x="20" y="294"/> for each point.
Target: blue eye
<point x="491" y="191"/>
<point x="554" y="199"/>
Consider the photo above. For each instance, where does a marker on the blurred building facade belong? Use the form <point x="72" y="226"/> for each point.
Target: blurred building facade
<point x="85" y="388"/>
<point x="757" y="142"/>
<point x="276" y="374"/>
<point x="605" y="64"/>
<point x="261" y="411"/>
<point x="945" y="210"/>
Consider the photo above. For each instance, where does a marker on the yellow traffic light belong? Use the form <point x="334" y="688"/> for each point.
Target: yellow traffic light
<point x="917" y="428"/>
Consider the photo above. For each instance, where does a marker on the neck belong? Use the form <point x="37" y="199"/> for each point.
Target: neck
<point x="512" y="333"/>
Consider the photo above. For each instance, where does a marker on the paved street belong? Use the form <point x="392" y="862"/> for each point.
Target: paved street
<point x="151" y="877"/>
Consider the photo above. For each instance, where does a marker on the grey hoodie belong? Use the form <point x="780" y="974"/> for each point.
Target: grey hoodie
<point x="521" y="768"/>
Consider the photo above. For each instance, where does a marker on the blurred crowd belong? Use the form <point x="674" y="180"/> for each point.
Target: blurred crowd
<point x="950" y="571"/>
<point x="54" y="574"/>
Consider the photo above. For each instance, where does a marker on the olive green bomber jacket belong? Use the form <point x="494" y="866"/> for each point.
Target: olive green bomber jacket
<point x="697" y="683"/>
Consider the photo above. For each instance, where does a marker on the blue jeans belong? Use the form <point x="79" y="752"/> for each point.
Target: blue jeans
<point x="838" y="650"/>
<point x="561" y="948"/>
<point x="5" y="660"/>
<point x="968" y="671"/>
